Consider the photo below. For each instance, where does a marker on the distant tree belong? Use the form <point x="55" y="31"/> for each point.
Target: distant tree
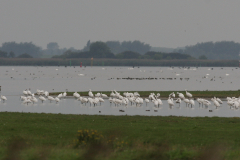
<point x="87" y="47"/>
<point x="202" y="57"/>
<point x="128" y="55"/>
<point x="135" y="46"/>
<point x="25" y="55"/>
<point x="217" y="50"/>
<point x="3" y="54"/>
<point x="100" y="50"/>
<point x="52" y="46"/>
<point x="20" y="48"/>
<point x="11" y="54"/>
<point x="158" y="56"/>
<point x="115" y="46"/>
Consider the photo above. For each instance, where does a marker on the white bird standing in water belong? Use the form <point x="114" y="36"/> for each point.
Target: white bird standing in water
<point x="57" y="99"/>
<point x="90" y="94"/>
<point x="25" y="92"/>
<point x="64" y="94"/>
<point x="188" y="94"/>
<point x="191" y="101"/>
<point x="147" y="101"/>
<point x="172" y="95"/>
<point x="42" y="98"/>
<point x="215" y="102"/>
<point x="170" y="102"/>
<point x="60" y="96"/>
<point x="50" y="98"/>
<point x="180" y="95"/>
<point x="186" y="101"/>
<point x="3" y="98"/>
<point x="33" y="99"/>
<point x="178" y="101"/>
<point x="27" y="101"/>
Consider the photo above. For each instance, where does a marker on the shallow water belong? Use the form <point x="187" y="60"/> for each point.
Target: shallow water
<point x="72" y="106"/>
<point x="16" y="79"/>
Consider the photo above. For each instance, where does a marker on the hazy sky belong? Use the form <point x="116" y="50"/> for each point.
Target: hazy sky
<point x="160" y="23"/>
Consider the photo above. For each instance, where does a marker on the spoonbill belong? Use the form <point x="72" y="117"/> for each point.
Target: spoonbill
<point x="186" y="101"/>
<point x="57" y="99"/>
<point x="147" y="101"/>
<point x="191" y="101"/>
<point x="3" y="98"/>
<point x="42" y="98"/>
<point x="178" y="101"/>
<point x="90" y="94"/>
<point x="170" y="102"/>
<point x="180" y="95"/>
<point x="188" y="94"/>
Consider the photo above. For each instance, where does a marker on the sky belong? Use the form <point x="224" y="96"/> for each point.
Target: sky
<point x="160" y="23"/>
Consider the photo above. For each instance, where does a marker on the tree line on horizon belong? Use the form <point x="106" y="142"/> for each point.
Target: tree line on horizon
<point x="102" y="50"/>
<point x="123" y="50"/>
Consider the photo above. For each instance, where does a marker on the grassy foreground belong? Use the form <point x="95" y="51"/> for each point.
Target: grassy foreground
<point x="55" y="136"/>
<point x="165" y="94"/>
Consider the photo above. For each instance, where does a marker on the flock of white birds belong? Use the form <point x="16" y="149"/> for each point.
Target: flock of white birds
<point x="127" y="98"/>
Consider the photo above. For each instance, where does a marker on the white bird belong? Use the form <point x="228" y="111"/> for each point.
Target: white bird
<point x="188" y="94"/>
<point x="104" y="95"/>
<point x="27" y="101"/>
<point x="29" y="92"/>
<point x="236" y="104"/>
<point x="57" y="99"/>
<point x="42" y="98"/>
<point x="76" y="95"/>
<point x="191" y="101"/>
<point x="25" y="92"/>
<point x="230" y="103"/>
<point x="98" y="95"/>
<point x="60" y="96"/>
<point x="90" y="94"/>
<point x="112" y="94"/>
<point x="186" y="101"/>
<point x="172" y="95"/>
<point x="180" y="95"/>
<point x="50" y="98"/>
<point x="136" y="94"/>
<point x="155" y="102"/>
<point x="22" y="98"/>
<point x="64" y="94"/>
<point x="100" y="100"/>
<point x="110" y="101"/>
<point x="178" y="101"/>
<point x="46" y="93"/>
<point x="219" y="100"/>
<point x="215" y="102"/>
<point x="199" y="100"/>
<point x="170" y="102"/>
<point x="206" y="103"/>
<point x="3" y="98"/>
<point x="147" y="101"/>
<point x="34" y="100"/>
<point x="90" y="100"/>
<point x="159" y="102"/>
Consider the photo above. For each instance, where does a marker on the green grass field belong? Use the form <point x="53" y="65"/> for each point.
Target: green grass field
<point x="165" y="94"/>
<point x="54" y="136"/>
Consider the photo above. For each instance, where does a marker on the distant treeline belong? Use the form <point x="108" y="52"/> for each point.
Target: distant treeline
<point x="217" y="50"/>
<point x="101" y="50"/>
<point x="118" y="47"/>
<point x="17" y="49"/>
<point x="123" y="50"/>
<point x="115" y="62"/>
